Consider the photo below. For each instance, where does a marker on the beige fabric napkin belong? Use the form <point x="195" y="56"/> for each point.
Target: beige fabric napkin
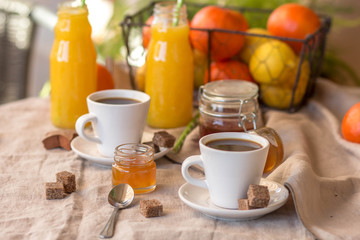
<point x="25" y="213"/>
<point x="320" y="168"/>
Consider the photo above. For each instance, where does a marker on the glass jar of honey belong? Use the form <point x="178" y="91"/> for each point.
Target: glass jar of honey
<point x="134" y="164"/>
<point x="229" y="106"/>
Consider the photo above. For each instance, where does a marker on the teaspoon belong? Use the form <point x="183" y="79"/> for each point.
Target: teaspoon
<point x="120" y="197"/>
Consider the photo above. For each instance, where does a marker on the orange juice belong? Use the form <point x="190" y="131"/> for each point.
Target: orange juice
<point x="72" y="65"/>
<point x="169" y="69"/>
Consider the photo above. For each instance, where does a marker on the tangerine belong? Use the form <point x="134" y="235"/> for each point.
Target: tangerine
<point x="146" y="32"/>
<point x="230" y="69"/>
<point x="293" y="20"/>
<point x="350" y="126"/>
<point x="223" y="45"/>
<point x="104" y="78"/>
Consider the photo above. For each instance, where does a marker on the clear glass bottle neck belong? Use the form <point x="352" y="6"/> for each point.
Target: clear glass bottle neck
<point x="169" y="13"/>
<point x="72" y="8"/>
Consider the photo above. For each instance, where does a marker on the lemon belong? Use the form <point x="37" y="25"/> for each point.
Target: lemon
<point x="252" y="43"/>
<point x="272" y="62"/>
<point x="279" y="96"/>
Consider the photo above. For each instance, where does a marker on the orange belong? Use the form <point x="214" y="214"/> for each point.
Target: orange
<point x="223" y="45"/>
<point x="350" y="126"/>
<point x="294" y="21"/>
<point x="146" y="32"/>
<point x="229" y="69"/>
<point x="104" y="78"/>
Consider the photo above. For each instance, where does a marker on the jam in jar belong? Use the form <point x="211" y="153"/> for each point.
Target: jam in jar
<point x="134" y="164"/>
<point x="229" y="106"/>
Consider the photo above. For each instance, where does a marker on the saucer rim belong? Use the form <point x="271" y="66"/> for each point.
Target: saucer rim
<point x="102" y="160"/>
<point x="233" y="214"/>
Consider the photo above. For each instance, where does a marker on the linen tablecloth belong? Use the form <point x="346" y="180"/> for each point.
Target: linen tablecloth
<point x="320" y="168"/>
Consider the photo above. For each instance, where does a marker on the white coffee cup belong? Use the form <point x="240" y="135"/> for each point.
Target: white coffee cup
<point x="228" y="174"/>
<point x="114" y="124"/>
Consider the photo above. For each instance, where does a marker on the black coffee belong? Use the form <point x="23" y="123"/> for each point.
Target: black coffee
<point x="117" y="100"/>
<point x="233" y="144"/>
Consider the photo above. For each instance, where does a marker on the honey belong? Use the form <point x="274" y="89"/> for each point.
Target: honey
<point x="134" y="164"/>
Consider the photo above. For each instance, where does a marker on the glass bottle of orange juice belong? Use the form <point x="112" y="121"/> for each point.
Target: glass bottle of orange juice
<point x="169" y="68"/>
<point x="72" y="65"/>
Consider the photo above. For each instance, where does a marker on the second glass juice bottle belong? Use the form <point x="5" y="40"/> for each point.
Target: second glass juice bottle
<point x="72" y="65"/>
<point x="169" y="68"/>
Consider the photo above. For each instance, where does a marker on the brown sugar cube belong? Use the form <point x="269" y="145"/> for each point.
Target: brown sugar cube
<point x="244" y="204"/>
<point x="151" y="208"/>
<point x="68" y="180"/>
<point x="54" y="190"/>
<point x="59" y="138"/>
<point x="258" y="196"/>
<point x="163" y="139"/>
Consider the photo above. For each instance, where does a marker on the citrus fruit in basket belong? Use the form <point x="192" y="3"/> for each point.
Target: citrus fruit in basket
<point x="146" y="32"/>
<point x="229" y="69"/>
<point x="293" y="20"/>
<point x="200" y="66"/>
<point x="252" y="43"/>
<point x="350" y="126"/>
<point x="279" y="96"/>
<point x="223" y="45"/>
<point x="272" y="62"/>
<point x="140" y="77"/>
<point x="104" y="78"/>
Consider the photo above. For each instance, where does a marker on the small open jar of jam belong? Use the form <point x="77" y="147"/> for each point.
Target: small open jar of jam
<point x="134" y="164"/>
<point x="229" y="106"/>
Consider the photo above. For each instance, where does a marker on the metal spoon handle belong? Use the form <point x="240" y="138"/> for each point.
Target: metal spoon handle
<point x="108" y="230"/>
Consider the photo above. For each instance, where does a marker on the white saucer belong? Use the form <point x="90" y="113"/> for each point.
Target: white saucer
<point x="89" y="151"/>
<point x="199" y="199"/>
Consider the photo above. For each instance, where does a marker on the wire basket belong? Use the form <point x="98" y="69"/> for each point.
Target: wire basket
<point x="312" y="52"/>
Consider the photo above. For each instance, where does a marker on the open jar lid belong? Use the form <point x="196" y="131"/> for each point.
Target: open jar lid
<point x="229" y="90"/>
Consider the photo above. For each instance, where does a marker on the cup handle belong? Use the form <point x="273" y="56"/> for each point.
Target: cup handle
<point x="185" y="171"/>
<point x="80" y="125"/>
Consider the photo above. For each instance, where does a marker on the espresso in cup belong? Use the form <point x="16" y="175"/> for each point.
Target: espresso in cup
<point x="118" y="116"/>
<point x="233" y="144"/>
<point x="117" y="100"/>
<point x="231" y="161"/>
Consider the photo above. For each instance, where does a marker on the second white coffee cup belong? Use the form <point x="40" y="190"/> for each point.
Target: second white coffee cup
<point x="231" y="161"/>
<point x="118" y="116"/>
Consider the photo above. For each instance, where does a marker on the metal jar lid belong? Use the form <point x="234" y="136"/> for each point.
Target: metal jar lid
<point x="230" y="98"/>
<point x="229" y="90"/>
